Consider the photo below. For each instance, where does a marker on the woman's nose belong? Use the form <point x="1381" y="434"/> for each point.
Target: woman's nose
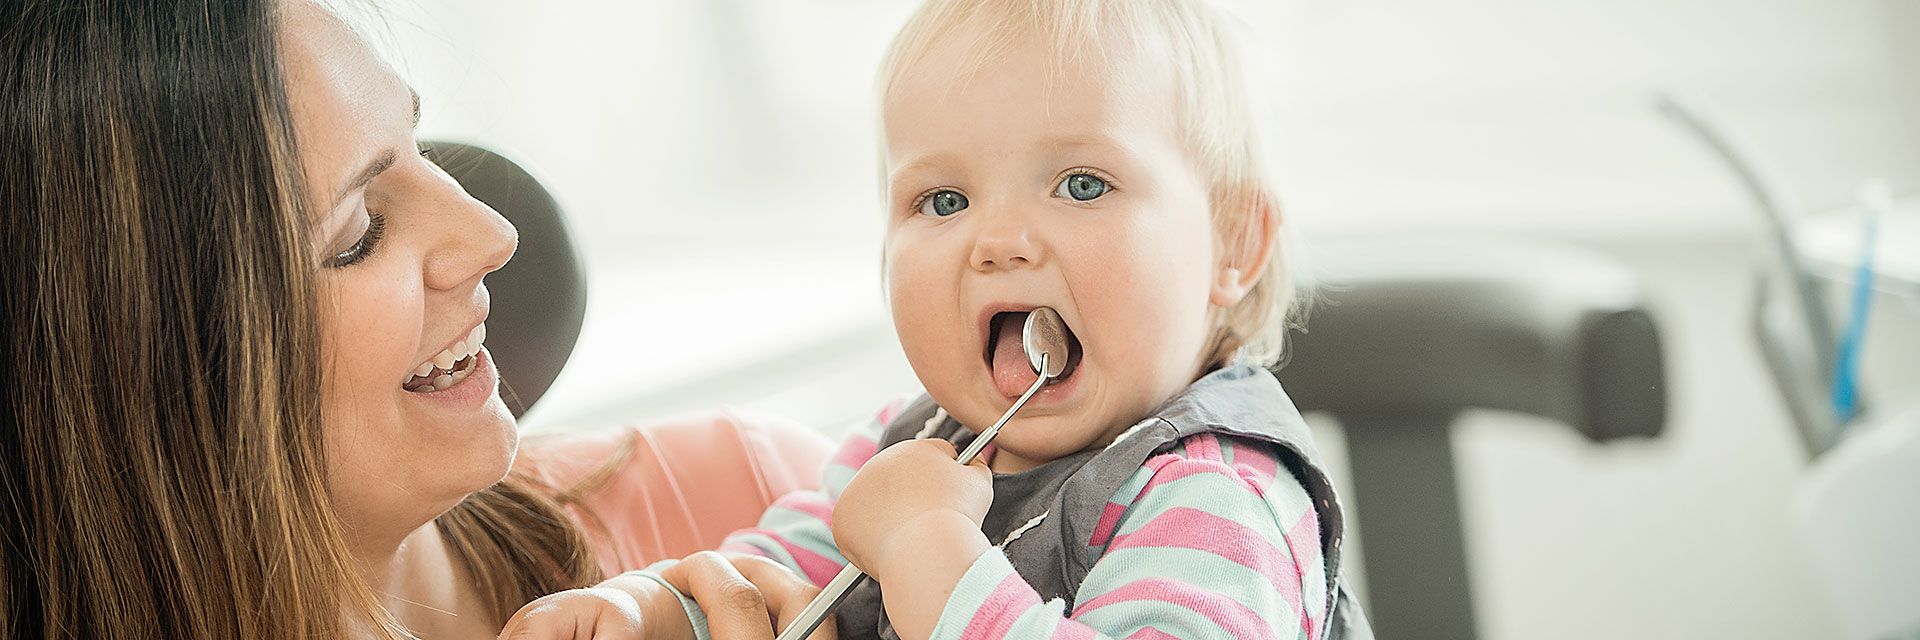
<point x="1003" y="240"/>
<point x="478" y="241"/>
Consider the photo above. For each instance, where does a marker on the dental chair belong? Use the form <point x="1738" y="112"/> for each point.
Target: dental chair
<point x="1404" y="335"/>
<point x="540" y="297"/>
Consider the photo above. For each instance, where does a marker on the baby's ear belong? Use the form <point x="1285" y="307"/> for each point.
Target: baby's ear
<point x="1244" y="258"/>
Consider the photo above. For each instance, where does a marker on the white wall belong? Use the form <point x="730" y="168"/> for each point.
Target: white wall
<point x="677" y="120"/>
<point x="717" y="157"/>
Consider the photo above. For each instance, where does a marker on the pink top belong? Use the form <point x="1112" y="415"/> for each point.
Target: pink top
<point x="685" y="483"/>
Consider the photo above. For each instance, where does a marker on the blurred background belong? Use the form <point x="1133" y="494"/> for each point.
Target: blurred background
<point x="716" y="159"/>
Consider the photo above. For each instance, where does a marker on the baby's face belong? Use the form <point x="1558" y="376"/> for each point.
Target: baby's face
<point x="1036" y="183"/>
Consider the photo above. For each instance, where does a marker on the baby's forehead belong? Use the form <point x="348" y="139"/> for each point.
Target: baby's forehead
<point x="1012" y="110"/>
<point x="1048" y="52"/>
<point x="1166" y="75"/>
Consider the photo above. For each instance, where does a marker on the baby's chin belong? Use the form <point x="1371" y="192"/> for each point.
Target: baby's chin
<point x="1036" y="440"/>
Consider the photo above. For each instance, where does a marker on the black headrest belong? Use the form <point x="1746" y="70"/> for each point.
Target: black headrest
<point x="540" y="297"/>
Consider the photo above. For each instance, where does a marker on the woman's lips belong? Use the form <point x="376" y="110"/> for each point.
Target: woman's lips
<point x="481" y="381"/>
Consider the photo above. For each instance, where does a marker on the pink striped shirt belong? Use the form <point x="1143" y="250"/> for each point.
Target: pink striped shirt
<point x="1209" y="539"/>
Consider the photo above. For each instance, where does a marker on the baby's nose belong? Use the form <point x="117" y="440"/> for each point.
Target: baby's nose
<point x="1003" y="241"/>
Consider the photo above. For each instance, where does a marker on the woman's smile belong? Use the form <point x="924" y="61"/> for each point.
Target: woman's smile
<point x="464" y="386"/>
<point x="450" y="366"/>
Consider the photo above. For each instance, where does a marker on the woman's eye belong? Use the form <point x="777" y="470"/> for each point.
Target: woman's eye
<point x="362" y="248"/>
<point x="943" y="203"/>
<point x="1082" y="187"/>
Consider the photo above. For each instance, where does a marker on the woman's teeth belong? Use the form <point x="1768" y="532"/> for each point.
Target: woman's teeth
<point x="448" y="367"/>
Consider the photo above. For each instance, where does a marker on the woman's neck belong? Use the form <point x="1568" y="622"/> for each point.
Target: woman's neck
<point x="418" y="582"/>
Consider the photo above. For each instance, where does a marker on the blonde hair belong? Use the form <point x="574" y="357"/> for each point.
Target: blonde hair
<point x="1214" y="104"/>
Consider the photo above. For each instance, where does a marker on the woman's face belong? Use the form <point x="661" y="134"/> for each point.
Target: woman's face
<point x="413" y="420"/>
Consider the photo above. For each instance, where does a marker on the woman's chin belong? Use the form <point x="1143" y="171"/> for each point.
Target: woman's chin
<point x="479" y="466"/>
<point x="492" y="443"/>
<point x="468" y="420"/>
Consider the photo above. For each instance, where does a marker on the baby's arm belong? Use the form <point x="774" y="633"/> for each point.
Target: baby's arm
<point x="1221" y="542"/>
<point x="911" y="519"/>
<point x="795" y="530"/>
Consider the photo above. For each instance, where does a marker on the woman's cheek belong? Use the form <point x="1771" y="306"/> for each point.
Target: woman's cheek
<point x="370" y="334"/>
<point x="377" y="337"/>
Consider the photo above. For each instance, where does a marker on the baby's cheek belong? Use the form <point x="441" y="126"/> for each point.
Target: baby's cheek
<point x="906" y="272"/>
<point x="1152" y="301"/>
<point x="907" y="299"/>
<point x="1143" y="288"/>
<point x="923" y="301"/>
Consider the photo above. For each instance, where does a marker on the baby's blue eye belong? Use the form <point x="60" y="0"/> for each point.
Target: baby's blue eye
<point x="1082" y="187"/>
<point x="943" y="203"/>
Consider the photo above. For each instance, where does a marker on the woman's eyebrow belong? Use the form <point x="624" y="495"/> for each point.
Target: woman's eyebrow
<point x="379" y="164"/>
<point x="365" y="176"/>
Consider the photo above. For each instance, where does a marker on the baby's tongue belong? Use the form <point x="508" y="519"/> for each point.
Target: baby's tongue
<point x="1011" y="372"/>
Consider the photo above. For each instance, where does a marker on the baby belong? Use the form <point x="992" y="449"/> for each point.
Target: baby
<point x="1098" y="158"/>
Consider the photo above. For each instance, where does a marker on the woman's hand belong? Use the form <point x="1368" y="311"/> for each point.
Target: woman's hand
<point x="912" y="500"/>
<point x="607" y="611"/>
<point x="742" y="597"/>
<point x="745" y="596"/>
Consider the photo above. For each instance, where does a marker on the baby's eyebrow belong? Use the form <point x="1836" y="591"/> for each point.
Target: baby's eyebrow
<point x="1078" y="140"/>
<point x="930" y="162"/>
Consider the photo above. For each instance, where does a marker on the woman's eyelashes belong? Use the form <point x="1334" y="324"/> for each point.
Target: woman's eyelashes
<point x="365" y="246"/>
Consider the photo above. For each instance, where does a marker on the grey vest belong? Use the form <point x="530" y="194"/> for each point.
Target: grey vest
<point x="1053" y="554"/>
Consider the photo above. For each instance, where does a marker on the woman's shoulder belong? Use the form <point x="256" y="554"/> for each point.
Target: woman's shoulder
<point x="666" y="488"/>
<point x="787" y="452"/>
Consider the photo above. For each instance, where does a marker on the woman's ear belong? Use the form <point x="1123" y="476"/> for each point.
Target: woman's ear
<point x="1245" y="258"/>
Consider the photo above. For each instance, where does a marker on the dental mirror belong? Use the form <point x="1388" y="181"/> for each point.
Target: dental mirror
<point x="1044" y="338"/>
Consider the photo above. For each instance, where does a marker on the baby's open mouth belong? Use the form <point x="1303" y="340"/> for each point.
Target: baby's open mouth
<point x="1007" y="358"/>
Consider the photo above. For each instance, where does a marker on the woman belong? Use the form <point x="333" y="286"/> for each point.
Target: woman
<point x="244" y="392"/>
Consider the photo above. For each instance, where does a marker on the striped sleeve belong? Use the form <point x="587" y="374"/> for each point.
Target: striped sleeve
<point x="1211" y="539"/>
<point x="797" y="529"/>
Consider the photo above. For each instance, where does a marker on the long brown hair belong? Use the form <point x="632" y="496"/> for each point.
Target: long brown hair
<point x="162" y="466"/>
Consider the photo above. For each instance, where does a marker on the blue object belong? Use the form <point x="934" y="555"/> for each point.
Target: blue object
<point x="1846" y="370"/>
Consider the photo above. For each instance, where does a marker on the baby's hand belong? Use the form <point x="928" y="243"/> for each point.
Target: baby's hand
<point x="909" y="498"/>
